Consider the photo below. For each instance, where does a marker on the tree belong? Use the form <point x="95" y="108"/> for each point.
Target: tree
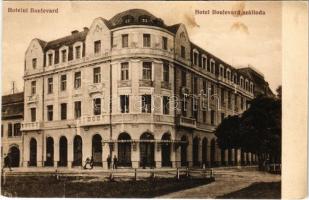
<point x="228" y="133"/>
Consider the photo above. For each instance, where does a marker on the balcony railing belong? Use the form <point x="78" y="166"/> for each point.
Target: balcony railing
<point x="95" y="88"/>
<point x="32" y="99"/>
<point x="31" y="126"/>
<point x="124" y="83"/>
<point x="186" y="122"/>
<point x="145" y="83"/>
<point x="93" y="120"/>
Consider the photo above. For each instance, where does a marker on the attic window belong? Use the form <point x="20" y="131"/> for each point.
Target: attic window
<point x="144" y="19"/>
<point x="127" y="19"/>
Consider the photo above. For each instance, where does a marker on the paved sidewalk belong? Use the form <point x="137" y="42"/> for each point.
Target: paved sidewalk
<point x="227" y="181"/>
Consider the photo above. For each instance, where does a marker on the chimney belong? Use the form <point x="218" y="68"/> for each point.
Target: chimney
<point x="74" y="32"/>
<point x="86" y="29"/>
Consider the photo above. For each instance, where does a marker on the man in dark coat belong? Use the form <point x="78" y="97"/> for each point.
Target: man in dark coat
<point x="109" y="160"/>
<point x="7" y="161"/>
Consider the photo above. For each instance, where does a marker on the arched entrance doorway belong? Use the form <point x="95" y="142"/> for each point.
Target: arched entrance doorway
<point x="78" y="151"/>
<point x="195" y="151"/>
<point x="147" y="150"/>
<point x="166" y="150"/>
<point x="213" y="152"/>
<point x="63" y="151"/>
<point x="124" y="150"/>
<point x="183" y="151"/>
<point x="15" y="156"/>
<point x="205" y="152"/>
<point x="33" y="152"/>
<point x="97" y="150"/>
<point x="49" y="152"/>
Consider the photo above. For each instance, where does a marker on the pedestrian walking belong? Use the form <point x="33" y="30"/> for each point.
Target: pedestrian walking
<point x="109" y="160"/>
<point x="91" y="162"/>
<point x="87" y="163"/>
<point x="115" y="162"/>
<point x="7" y="162"/>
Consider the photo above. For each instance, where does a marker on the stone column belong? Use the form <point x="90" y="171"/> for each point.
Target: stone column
<point x="40" y="151"/>
<point x="56" y="153"/>
<point x="233" y="156"/>
<point x="105" y="153"/>
<point x="245" y="158"/>
<point x="135" y="157"/>
<point x="238" y="159"/>
<point x="249" y="158"/>
<point x="70" y="152"/>
<point x="158" y="155"/>
<point x="173" y="155"/>
<point x="208" y="155"/>
<point x="189" y="152"/>
<point x="226" y="157"/>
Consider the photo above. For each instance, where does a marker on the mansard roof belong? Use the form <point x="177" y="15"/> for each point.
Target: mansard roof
<point x="13" y="106"/>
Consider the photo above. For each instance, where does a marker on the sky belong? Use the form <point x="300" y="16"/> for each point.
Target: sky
<point x="240" y="41"/>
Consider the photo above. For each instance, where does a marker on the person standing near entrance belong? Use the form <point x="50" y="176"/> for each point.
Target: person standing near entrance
<point x="7" y="161"/>
<point x="109" y="160"/>
<point x="115" y="162"/>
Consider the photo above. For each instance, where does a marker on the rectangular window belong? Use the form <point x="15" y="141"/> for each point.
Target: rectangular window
<point x="183" y="52"/>
<point x="125" y="40"/>
<point x="146" y="40"/>
<point x="34" y="63"/>
<point x="183" y="78"/>
<point x="222" y="97"/>
<point x="63" y="84"/>
<point x="204" y="116"/>
<point x="77" y="109"/>
<point x="204" y="62"/>
<point x="195" y="83"/>
<point x="10" y="130"/>
<point x="212" y="89"/>
<point x="97" y="75"/>
<point x="195" y="58"/>
<point x="63" y="111"/>
<point x="50" y="85"/>
<point x="33" y="114"/>
<point x="33" y="87"/>
<point x="50" y="113"/>
<point x="164" y="43"/>
<point x="166" y="105"/>
<point x="50" y="59"/>
<point x="77" y="80"/>
<point x="97" y="46"/>
<point x="77" y="52"/>
<point x="166" y="72"/>
<point x="124" y="103"/>
<point x="184" y="107"/>
<point x="222" y="117"/>
<point x="64" y="56"/>
<point x="205" y="87"/>
<point x="17" y="131"/>
<point x="212" y="117"/>
<point x="146" y="103"/>
<point x="97" y="106"/>
<point x="125" y="71"/>
<point x="229" y="100"/>
<point x="147" y="71"/>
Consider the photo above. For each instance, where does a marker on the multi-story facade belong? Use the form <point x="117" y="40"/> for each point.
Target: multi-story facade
<point x="132" y="87"/>
<point x="12" y="112"/>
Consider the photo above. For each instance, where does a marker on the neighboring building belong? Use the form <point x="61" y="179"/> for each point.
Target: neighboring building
<point x="12" y="117"/>
<point x="101" y="91"/>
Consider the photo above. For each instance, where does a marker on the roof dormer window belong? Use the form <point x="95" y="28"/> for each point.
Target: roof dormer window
<point x="127" y="19"/>
<point x="144" y="19"/>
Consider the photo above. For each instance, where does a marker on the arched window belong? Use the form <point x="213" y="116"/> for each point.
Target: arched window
<point x="49" y="152"/>
<point x="33" y="152"/>
<point x="205" y="151"/>
<point x="144" y="19"/>
<point x="213" y="152"/>
<point x="196" y="151"/>
<point x="184" y="145"/>
<point x="63" y="151"/>
<point x="97" y="150"/>
<point x="128" y="19"/>
<point x="147" y="150"/>
<point x="124" y="149"/>
<point x="15" y="156"/>
<point x="78" y="151"/>
<point x="166" y="150"/>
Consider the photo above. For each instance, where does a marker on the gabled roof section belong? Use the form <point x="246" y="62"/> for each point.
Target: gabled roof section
<point x="13" y="98"/>
<point x="174" y="28"/>
<point x="67" y="40"/>
<point x="12" y="106"/>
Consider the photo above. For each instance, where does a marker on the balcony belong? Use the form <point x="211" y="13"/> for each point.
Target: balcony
<point x="166" y="85"/>
<point x="95" y="88"/>
<point x="32" y="99"/>
<point x="124" y="83"/>
<point x="186" y="122"/>
<point x="142" y="118"/>
<point x="93" y="120"/>
<point x="31" y="126"/>
<point x="145" y="83"/>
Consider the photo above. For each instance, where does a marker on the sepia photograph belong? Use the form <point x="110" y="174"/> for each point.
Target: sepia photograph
<point x="154" y="99"/>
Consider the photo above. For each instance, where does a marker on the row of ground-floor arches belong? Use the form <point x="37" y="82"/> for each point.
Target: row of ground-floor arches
<point x="199" y="152"/>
